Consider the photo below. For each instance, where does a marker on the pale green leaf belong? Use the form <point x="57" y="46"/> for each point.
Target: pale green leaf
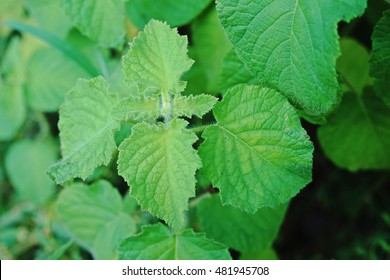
<point x="50" y="16"/>
<point x="26" y="162"/>
<point x="159" y="164"/>
<point x="193" y="105"/>
<point x="357" y="134"/>
<point x="380" y="57"/>
<point x="10" y="9"/>
<point x="257" y="153"/>
<point x="175" y="13"/>
<point x="86" y="130"/>
<point x="12" y="109"/>
<point x="267" y="254"/>
<point x="50" y="74"/>
<point x="353" y="65"/>
<point x="157" y="58"/>
<point x="102" y="21"/>
<point x="239" y="230"/>
<point x="155" y="242"/>
<point x="234" y="72"/>
<point x="291" y="45"/>
<point x="210" y="45"/>
<point x="137" y="108"/>
<point x="94" y="216"/>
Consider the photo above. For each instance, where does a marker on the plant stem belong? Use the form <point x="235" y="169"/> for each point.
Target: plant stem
<point x="198" y="199"/>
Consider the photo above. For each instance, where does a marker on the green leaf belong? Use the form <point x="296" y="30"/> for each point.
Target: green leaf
<point x="137" y="108"/>
<point x="50" y="16"/>
<point x="58" y="43"/>
<point x="175" y="13"/>
<point x="380" y="57"/>
<point x="159" y="164"/>
<point x="357" y="134"/>
<point x="210" y="45"/>
<point x="26" y="162"/>
<point x="257" y="153"/>
<point x="102" y="21"/>
<point x="50" y="74"/>
<point x="60" y="251"/>
<point x="157" y="58"/>
<point x="239" y="230"/>
<point x="291" y="45"/>
<point x="234" y="72"/>
<point x="86" y="130"/>
<point x="155" y="242"/>
<point x="94" y="216"/>
<point x="353" y="65"/>
<point x="268" y="254"/>
<point x="193" y="105"/>
<point x="12" y="109"/>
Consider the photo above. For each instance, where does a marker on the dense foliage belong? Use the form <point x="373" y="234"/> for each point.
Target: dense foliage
<point x="137" y="129"/>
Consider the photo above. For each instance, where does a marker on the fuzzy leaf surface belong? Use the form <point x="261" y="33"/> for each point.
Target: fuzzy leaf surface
<point x="94" y="216"/>
<point x="239" y="230"/>
<point x="86" y="130"/>
<point x="157" y="58"/>
<point x="137" y="108"/>
<point x="291" y="45"/>
<point x="359" y="120"/>
<point x="102" y="21"/>
<point x="197" y="105"/>
<point x="159" y="164"/>
<point x="380" y="57"/>
<point x="175" y="13"/>
<point x="257" y="153"/>
<point x="155" y="242"/>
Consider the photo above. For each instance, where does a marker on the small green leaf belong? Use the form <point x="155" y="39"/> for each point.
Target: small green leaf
<point x="12" y="109"/>
<point x="380" y="57"/>
<point x="291" y="45"/>
<point x="357" y="134"/>
<point x="159" y="164"/>
<point x="257" y="153"/>
<point x="102" y="21"/>
<point x="193" y="105"/>
<point x="239" y="230"/>
<point x="176" y="13"/>
<point x="94" y="216"/>
<point x="234" y="72"/>
<point x="157" y="58"/>
<point x="50" y="74"/>
<point x="26" y="162"/>
<point x="353" y="65"/>
<point x="86" y="130"/>
<point x="60" y="251"/>
<point x="155" y="242"/>
<point x="137" y="108"/>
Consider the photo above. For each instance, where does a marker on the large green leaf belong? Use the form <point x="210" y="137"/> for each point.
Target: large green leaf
<point x="102" y="21"/>
<point x="137" y="108"/>
<point x="157" y="58"/>
<point x="86" y="130"/>
<point x="175" y="13"/>
<point x="26" y="162"/>
<point x="380" y="57"/>
<point x="234" y="72"/>
<point x="50" y="74"/>
<point x="257" y="153"/>
<point x="159" y="164"/>
<point x="12" y="109"/>
<point x="210" y="46"/>
<point x="357" y="134"/>
<point x="157" y="243"/>
<point x="193" y="105"/>
<point x="291" y="45"/>
<point x="239" y="230"/>
<point x="353" y="65"/>
<point x="94" y="216"/>
<point x="50" y="15"/>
